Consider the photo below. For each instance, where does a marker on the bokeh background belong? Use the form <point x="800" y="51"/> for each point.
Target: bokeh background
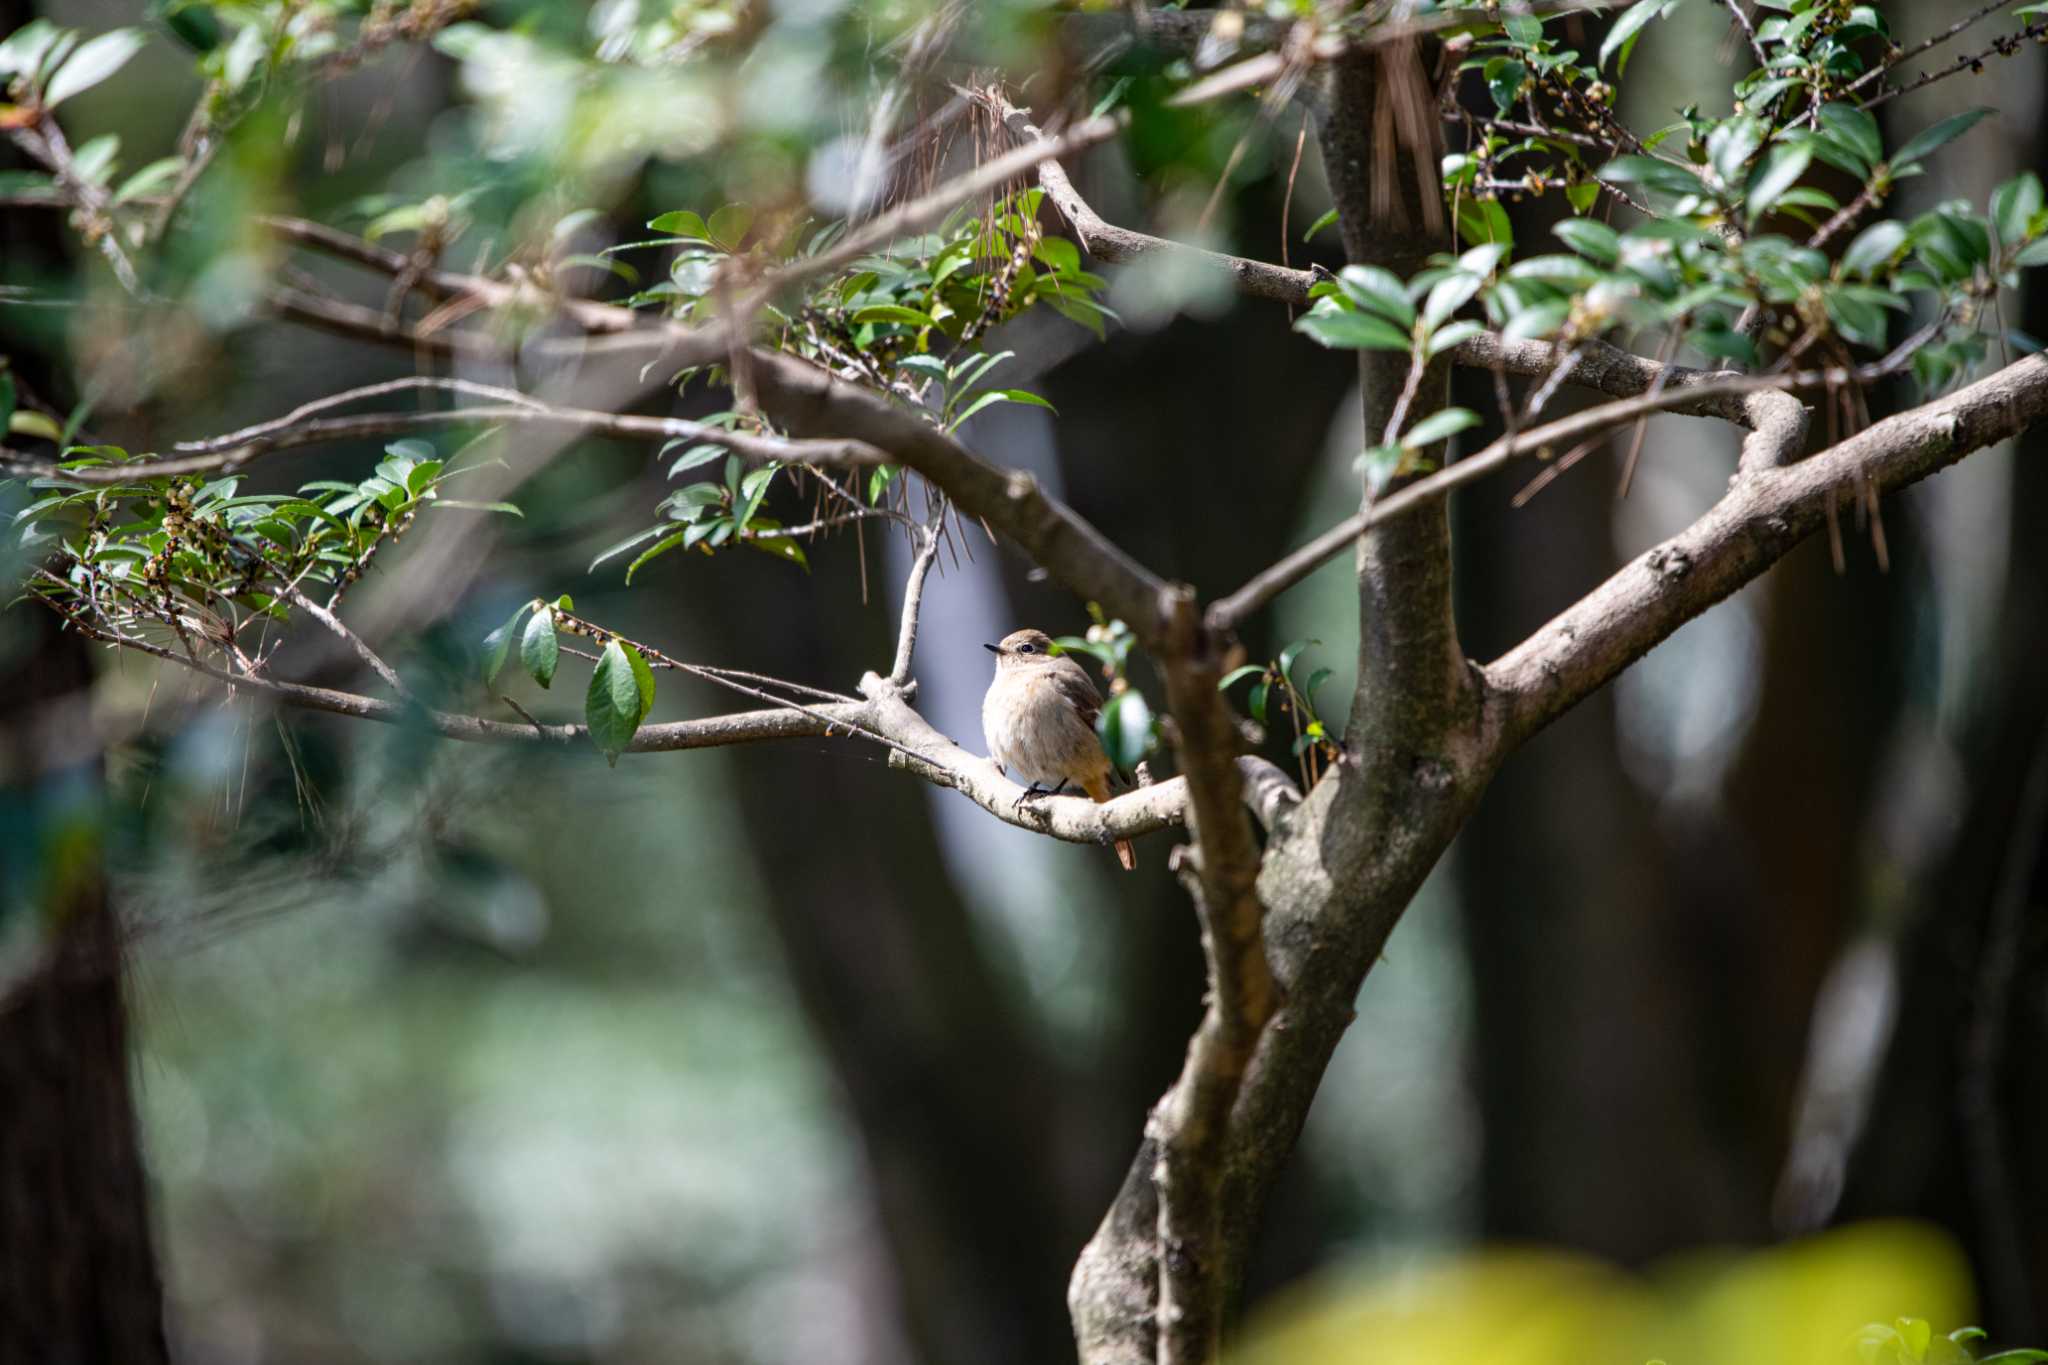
<point x="448" y="1053"/>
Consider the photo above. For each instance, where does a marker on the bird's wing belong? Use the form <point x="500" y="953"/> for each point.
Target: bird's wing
<point x="1071" y="680"/>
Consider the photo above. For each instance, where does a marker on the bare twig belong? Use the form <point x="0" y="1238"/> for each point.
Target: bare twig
<point x="355" y="642"/>
<point x="1878" y="71"/>
<point x="2003" y="47"/>
<point x="1748" y="30"/>
<point x="927" y="541"/>
<point x="1107" y="242"/>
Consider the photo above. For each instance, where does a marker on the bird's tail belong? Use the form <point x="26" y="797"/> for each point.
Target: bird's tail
<point x="1125" y="854"/>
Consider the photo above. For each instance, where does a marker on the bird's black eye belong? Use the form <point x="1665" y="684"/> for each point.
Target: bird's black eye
<point x="1027" y="649"/>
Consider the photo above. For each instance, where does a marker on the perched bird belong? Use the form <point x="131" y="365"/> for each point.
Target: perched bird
<point x="1039" y="720"/>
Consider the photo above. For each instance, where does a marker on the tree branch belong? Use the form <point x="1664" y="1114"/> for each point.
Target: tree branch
<point x="1777" y="423"/>
<point x="806" y="400"/>
<point x="1763" y="516"/>
<point x="1189" y="1129"/>
<point x="926" y="539"/>
<point x="1107" y="242"/>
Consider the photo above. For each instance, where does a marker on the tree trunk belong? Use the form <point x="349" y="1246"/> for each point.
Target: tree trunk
<point x="78" y="1278"/>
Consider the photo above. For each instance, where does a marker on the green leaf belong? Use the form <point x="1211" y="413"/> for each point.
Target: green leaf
<point x="612" y="551"/>
<point x="38" y="424"/>
<point x="1111" y="97"/>
<point x="1439" y="426"/>
<point x="498" y="644"/>
<point x="1504" y="82"/>
<point x="1256" y="700"/>
<point x="1451" y="334"/>
<point x="1028" y="398"/>
<point x="1779" y="173"/>
<point x="1239" y="674"/>
<point x="612" y="706"/>
<point x="23" y="52"/>
<point x="1379" y="291"/>
<point x="1652" y="173"/>
<point x="727" y="227"/>
<point x="2013" y="207"/>
<point x="465" y="505"/>
<point x="1621" y="34"/>
<point x="1379" y="465"/>
<point x="1855" y="130"/>
<point x="2035" y="253"/>
<point x="994" y="396"/>
<point x="1329" y="219"/>
<point x="893" y="312"/>
<point x="1484" y="220"/>
<point x="1294" y="651"/>
<point x="682" y="223"/>
<point x="1353" y="331"/>
<point x="1874" y="248"/>
<point x="94" y="162"/>
<point x="1595" y="241"/>
<point x="782" y="547"/>
<point x="1125" y="726"/>
<point x="643" y="681"/>
<point x="538" y="647"/>
<point x="95" y="60"/>
<point x="1942" y="133"/>
<point x="156" y="173"/>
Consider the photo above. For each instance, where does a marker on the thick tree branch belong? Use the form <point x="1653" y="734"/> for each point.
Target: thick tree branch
<point x="1380" y="152"/>
<point x="1763" y="403"/>
<point x="1189" y="1128"/>
<point x="1765" y="513"/>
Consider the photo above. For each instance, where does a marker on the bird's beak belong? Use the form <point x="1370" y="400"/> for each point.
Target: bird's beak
<point x="993" y="649"/>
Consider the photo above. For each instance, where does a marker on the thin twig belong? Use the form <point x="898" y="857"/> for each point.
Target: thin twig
<point x="354" y="641"/>
<point x="927" y="538"/>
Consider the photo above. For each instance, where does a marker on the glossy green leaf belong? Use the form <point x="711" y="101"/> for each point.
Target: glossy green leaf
<point x="1874" y="248"/>
<point x="1779" y="173"/>
<point x="1942" y="133"/>
<point x="1439" y="426"/>
<point x="539" y="649"/>
<point x="612" y="705"/>
<point x="498" y="644"/>
<point x="1125" y="725"/>
<point x="94" y="61"/>
<point x="682" y="223"/>
<point x="1855" y="130"/>
<point x="2014" y="206"/>
<point x="1377" y="291"/>
<point x="1621" y="34"/>
<point x="1240" y="673"/>
<point x="1353" y="332"/>
<point x="1595" y="241"/>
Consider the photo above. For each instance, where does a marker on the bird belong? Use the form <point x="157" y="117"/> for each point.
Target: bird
<point x="1039" y="721"/>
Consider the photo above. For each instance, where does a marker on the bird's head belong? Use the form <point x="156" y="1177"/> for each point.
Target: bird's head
<point x="1022" y="649"/>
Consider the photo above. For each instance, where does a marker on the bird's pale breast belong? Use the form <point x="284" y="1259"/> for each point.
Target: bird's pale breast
<point x="1035" y="733"/>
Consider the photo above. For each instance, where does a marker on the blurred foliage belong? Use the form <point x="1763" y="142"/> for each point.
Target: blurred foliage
<point x="1806" y="1303"/>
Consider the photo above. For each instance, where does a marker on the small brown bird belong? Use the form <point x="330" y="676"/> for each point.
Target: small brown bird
<point x="1039" y="720"/>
